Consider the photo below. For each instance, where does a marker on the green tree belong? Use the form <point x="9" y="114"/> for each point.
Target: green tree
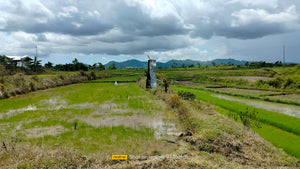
<point x="199" y="65"/>
<point x="192" y="65"/>
<point x="48" y="65"/>
<point x="174" y="64"/>
<point x="36" y="65"/>
<point x="101" y="66"/>
<point x="112" y="66"/>
<point x="213" y="63"/>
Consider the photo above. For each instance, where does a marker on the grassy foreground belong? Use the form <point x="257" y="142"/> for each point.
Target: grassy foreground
<point x="281" y="130"/>
<point x="95" y="120"/>
<point x="82" y="125"/>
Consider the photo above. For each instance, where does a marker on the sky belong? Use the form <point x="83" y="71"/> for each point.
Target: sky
<point x="104" y="30"/>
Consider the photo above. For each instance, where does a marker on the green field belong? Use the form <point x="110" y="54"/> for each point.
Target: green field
<point x="119" y="79"/>
<point x="82" y="125"/>
<point x="281" y="130"/>
<point x="83" y="117"/>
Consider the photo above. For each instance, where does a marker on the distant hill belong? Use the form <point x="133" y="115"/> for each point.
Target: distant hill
<point x="128" y="64"/>
<point x="142" y="64"/>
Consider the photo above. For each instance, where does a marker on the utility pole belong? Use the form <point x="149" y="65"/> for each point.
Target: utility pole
<point x="36" y="58"/>
<point x="283" y="54"/>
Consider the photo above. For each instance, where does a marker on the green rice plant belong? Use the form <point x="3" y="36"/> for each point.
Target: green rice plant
<point x="281" y="130"/>
<point x="279" y="120"/>
<point x="289" y="142"/>
<point x="119" y="79"/>
<point x="186" y="95"/>
<point x="247" y="118"/>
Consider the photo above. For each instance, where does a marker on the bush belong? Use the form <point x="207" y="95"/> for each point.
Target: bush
<point x="276" y="83"/>
<point x="2" y="87"/>
<point x="2" y="90"/>
<point x="186" y="95"/>
<point x="82" y="73"/>
<point x="288" y="82"/>
<point x="260" y="83"/>
<point x="174" y="100"/>
<point x="32" y="86"/>
<point x="247" y="118"/>
<point x="93" y="75"/>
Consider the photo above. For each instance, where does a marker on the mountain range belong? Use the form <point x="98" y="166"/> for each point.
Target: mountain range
<point x="178" y="63"/>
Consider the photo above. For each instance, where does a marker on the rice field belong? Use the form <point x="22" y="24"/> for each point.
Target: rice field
<point x="285" y="129"/>
<point x="97" y="119"/>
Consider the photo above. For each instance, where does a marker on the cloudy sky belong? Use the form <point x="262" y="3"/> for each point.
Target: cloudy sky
<point x="104" y="30"/>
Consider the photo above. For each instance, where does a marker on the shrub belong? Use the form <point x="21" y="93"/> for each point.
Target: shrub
<point x="82" y="73"/>
<point x="62" y="77"/>
<point x="166" y="85"/>
<point x="32" y="86"/>
<point x="247" y="118"/>
<point x="93" y="75"/>
<point x="260" y="83"/>
<point x="186" y="95"/>
<point x="35" y="78"/>
<point x="174" y="100"/>
<point x="288" y="82"/>
<point x="276" y="83"/>
<point x="2" y="87"/>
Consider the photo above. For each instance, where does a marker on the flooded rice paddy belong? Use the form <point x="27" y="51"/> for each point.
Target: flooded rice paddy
<point x="127" y="111"/>
<point x="290" y="110"/>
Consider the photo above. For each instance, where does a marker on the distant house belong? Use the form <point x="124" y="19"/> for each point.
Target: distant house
<point x="21" y="61"/>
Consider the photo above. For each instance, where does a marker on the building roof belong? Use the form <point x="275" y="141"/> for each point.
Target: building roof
<point x="19" y="58"/>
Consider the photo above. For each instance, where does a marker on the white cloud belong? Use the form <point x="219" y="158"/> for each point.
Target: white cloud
<point x="67" y="12"/>
<point x="256" y="3"/>
<point x="248" y="16"/>
<point x="77" y="25"/>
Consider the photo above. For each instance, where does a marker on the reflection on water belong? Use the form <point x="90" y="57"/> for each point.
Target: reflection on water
<point x="109" y="114"/>
<point x="161" y="125"/>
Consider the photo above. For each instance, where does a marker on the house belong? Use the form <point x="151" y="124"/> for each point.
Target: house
<point x="21" y="61"/>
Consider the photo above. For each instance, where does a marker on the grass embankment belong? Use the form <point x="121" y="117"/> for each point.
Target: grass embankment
<point x="212" y="140"/>
<point x="20" y="84"/>
<point x="95" y="120"/>
<point x="118" y="79"/>
<point x="273" y="79"/>
<point x="281" y="124"/>
<point x="263" y="97"/>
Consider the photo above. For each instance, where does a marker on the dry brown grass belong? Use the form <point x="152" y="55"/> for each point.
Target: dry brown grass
<point x="218" y="134"/>
<point x="25" y="156"/>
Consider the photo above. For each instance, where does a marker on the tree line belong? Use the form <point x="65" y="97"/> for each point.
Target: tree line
<point x="259" y="64"/>
<point x="9" y="66"/>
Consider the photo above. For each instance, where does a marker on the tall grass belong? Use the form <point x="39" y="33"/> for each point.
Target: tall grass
<point x="21" y="84"/>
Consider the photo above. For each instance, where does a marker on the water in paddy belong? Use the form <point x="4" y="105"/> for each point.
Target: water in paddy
<point x="290" y="110"/>
<point x="108" y="115"/>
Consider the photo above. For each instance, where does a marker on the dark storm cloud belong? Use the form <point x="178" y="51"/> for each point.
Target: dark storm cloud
<point x="119" y="27"/>
<point x="255" y="30"/>
<point x="131" y="19"/>
<point x="75" y="19"/>
<point x="138" y="46"/>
